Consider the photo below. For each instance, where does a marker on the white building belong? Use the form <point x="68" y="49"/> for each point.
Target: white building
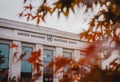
<point x="29" y="38"/>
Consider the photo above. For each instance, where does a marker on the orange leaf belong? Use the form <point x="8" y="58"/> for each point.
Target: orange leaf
<point x="15" y="54"/>
<point x="38" y="21"/>
<point x="25" y="1"/>
<point x="13" y="45"/>
<point x="59" y="62"/>
<point x="83" y="34"/>
<point x="21" y="57"/>
<point x="21" y="14"/>
<point x="82" y="61"/>
<point x="28" y="15"/>
<point x="34" y="58"/>
<point x="28" y="7"/>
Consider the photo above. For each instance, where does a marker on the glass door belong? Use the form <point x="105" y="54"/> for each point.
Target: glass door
<point x="47" y="74"/>
<point x="26" y="68"/>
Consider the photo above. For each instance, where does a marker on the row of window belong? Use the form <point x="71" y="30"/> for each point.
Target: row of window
<point x="26" y="68"/>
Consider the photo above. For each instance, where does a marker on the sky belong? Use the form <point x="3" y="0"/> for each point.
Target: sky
<point x="75" y="23"/>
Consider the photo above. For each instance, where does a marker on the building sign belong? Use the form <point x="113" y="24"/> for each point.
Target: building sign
<point x="49" y="38"/>
<point x="30" y="35"/>
<point x="42" y="37"/>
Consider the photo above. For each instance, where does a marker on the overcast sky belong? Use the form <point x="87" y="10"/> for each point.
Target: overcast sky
<point x="9" y="9"/>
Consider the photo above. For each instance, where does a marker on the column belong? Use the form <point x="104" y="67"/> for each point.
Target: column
<point x="59" y="52"/>
<point x="37" y="47"/>
<point x="76" y="55"/>
<point x="14" y="65"/>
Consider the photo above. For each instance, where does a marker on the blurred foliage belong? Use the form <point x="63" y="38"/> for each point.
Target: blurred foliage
<point x="110" y="74"/>
<point x="103" y="31"/>
<point x="110" y="12"/>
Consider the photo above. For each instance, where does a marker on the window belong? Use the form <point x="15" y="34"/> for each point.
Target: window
<point x="4" y="61"/>
<point x="48" y="55"/>
<point x="47" y="75"/>
<point x="68" y="54"/>
<point x="26" y="68"/>
<point x="4" y="51"/>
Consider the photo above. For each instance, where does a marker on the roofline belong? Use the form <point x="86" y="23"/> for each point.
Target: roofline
<point x="37" y="29"/>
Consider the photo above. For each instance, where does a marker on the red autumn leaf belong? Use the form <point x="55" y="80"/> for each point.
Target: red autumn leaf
<point x="39" y="60"/>
<point x="34" y="57"/>
<point x="59" y="62"/>
<point x="90" y="37"/>
<point x="28" y="7"/>
<point x="100" y="24"/>
<point x="82" y="61"/>
<point x="13" y="45"/>
<point x="25" y="1"/>
<point x="36" y="76"/>
<point x="21" y="57"/>
<point x="15" y="54"/>
<point x="83" y="34"/>
<point x="44" y="9"/>
<point x="38" y="17"/>
<point x="37" y="67"/>
<point x="38" y="20"/>
<point x="28" y="15"/>
<point x="90" y="53"/>
<point x="21" y="14"/>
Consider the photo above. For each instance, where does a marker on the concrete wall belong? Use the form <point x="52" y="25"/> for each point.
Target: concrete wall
<point x="40" y="37"/>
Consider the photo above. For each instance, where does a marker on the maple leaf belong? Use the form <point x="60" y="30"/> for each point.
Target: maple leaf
<point x="15" y="54"/>
<point x="108" y="32"/>
<point x="25" y="1"/>
<point x="44" y="9"/>
<point x="100" y="24"/>
<point x="36" y="76"/>
<point x="37" y="70"/>
<point x="83" y="34"/>
<point x="59" y="62"/>
<point x="64" y="6"/>
<point x="29" y="7"/>
<point x="13" y="45"/>
<point x="91" y="55"/>
<point x="21" y="14"/>
<point x="98" y="35"/>
<point x="38" y="17"/>
<point x="28" y="15"/>
<point x="82" y="61"/>
<point x="90" y="37"/>
<point x="21" y="57"/>
<point x="34" y="58"/>
<point x="66" y="13"/>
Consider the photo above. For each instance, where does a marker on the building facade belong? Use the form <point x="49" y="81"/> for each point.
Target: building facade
<point x="51" y="42"/>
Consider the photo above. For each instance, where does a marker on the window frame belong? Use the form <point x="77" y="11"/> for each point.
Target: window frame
<point x="2" y="70"/>
<point x="53" y="55"/>
<point x="48" y="77"/>
<point x="27" y="45"/>
<point x="66" y="67"/>
<point x="26" y="76"/>
<point x="68" y="51"/>
<point x="8" y="43"/>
